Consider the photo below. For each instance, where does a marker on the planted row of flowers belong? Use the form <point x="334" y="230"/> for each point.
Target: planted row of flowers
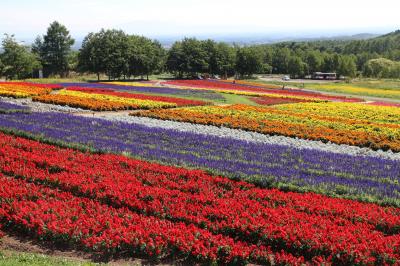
<point x="177" y="101"/>
<point x="100" y="102"/>
<point x="340" y="175"/>
<point x="240" y="89"/>
<point x="309" y="225"/>
<point x="379" y="103"/>
<point x="192" y="93"/>
<point x="24" y="89"/>
<point x="274" y="100"/>
<point x="373" y="127"/>
<point x="6" y="108"/>
<point x="58" y="216"/>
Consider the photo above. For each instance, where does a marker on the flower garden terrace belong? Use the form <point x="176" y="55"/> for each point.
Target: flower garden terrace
<point x="46" y="187"/>
<point x="313" y="179"/>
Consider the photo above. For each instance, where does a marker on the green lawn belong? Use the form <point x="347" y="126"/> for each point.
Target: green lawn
<point x="237" y="99"/>
<point x="13" y="258"/>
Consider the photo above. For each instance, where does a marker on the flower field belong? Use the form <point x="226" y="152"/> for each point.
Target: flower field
<point x="190" y="212"/>
<point x="374" y="127"/>
<point x="24" y="89"/>
<point x="267" y="164"/>
<point x="251" y="90"/>
<point x="177" y="101"/>
<point x="207" y="173"/>
<point x="145" y="88"/>
<point x="110" y="101"/>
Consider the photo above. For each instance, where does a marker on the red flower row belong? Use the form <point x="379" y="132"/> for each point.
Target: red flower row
<point x="312" y="225"/>
<point x="59" y="216"/>
<point x="385" y="104"/>
<point x="177" y="101"/>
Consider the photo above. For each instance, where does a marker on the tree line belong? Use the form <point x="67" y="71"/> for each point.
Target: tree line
<point x="122" y="56"/>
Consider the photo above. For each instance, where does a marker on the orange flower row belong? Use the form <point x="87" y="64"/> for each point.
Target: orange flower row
<point x="22" y="91"/>
<point x="84" y="103"/>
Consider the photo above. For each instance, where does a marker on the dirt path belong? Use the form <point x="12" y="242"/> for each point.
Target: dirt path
<point x="20" y="244"/>
<point x="10" y="245"/>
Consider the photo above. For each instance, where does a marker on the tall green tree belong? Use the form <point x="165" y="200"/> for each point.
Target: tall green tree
<point x="280" y="60"/>
<point x="187" y="58"/>
<point x="105" y="52"/>
<point x="145" y="56"/>
<point x="54" y="49"/>
<point x="16" y="61"/>
<point x="297" y="68"/>
<point x="220" y="58"/>
<point x="248" y="61"/>
<point x="347" y="66"/>
<point x="314" y="61"/>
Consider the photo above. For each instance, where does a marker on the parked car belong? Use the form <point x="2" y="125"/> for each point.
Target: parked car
<point x="286" y="78"/>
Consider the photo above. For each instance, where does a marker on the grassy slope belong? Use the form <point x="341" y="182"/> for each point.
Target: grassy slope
<point x="371" y="87"/>
<point x="237" y="99"/>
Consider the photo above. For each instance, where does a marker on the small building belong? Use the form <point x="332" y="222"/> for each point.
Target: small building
<point x="322" y="75"/>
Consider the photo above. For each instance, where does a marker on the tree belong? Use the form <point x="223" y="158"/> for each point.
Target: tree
<point x="105" y="52"/>
<point x="297" y="68"/>
<point x="225" y="60"/>
<point x="53" y="49"/>
<point x="187" y="57"/>
<point x="347" y="66"/>
<point x="379" y="68"/>
<point x="17" y="61"/>
<point x="280" y="60"/>
<point x="145" y="56"/>
<point x="314" y="61"/>
<point x="248" y="61"/>
<point x="220" y="58"/>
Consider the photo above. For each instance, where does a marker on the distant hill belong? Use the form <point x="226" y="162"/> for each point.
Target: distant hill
<point x="384" y="44"/>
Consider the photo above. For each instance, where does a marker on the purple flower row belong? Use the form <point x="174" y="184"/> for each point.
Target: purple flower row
<point x="10" y="107"/>
<point x="366" y="178"/>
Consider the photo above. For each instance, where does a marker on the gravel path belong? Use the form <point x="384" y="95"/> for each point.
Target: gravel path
<point x="250" y="136"/>
<point x="42" y="107"/>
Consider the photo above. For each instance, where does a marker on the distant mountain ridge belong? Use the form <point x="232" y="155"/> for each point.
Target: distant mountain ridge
<point x="255" y="39"/>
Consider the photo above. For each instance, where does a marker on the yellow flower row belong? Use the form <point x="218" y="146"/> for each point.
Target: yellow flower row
<point x="359" y="111"/>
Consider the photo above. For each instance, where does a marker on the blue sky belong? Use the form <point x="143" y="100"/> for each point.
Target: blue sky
<point x="28" y="18"/>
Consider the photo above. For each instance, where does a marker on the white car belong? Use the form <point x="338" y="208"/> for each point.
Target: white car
<point x="286" y="78"/>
